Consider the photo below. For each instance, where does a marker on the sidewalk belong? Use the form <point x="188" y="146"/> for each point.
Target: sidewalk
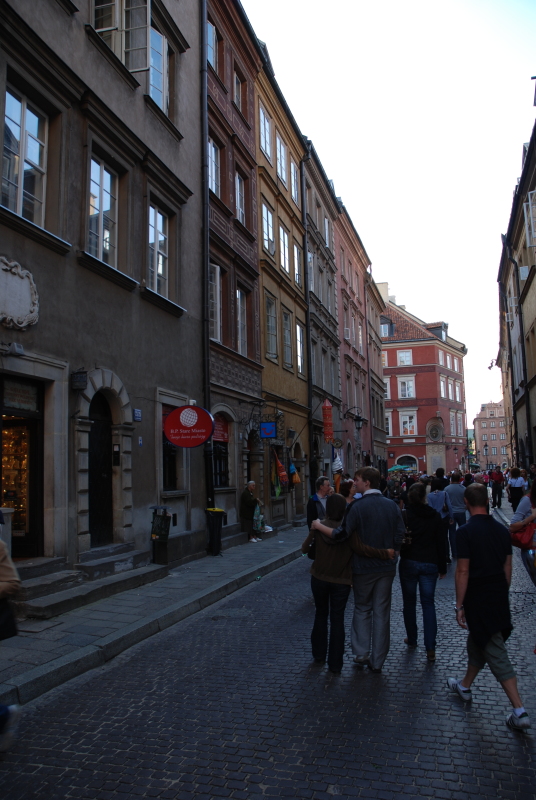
<point x="47" y="653"/>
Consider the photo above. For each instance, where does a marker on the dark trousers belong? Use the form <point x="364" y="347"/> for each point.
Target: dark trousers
<point x="330" y="601"/>
<point x="496" y="495"/>
<point x="516" y="493"/>
<point x="459" y="520"/>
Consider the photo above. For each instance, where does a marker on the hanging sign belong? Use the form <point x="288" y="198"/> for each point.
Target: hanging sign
<point x="188" y="426"/>
<point x="327" y="418"/>
<point x="221" y="429"/>
<point x="268" y="430"/>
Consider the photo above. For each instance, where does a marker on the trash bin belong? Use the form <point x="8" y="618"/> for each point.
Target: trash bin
<point x="160" y="534"/>
<point x="214" y="523"/>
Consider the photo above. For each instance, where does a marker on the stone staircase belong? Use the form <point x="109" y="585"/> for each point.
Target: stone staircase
<point x="49" y="589"/>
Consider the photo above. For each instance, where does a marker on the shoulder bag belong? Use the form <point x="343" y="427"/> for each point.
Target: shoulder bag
<point x="523" y="537"/>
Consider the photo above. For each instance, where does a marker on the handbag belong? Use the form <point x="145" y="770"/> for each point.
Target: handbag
<point x="523" y="537"/>
<point x="8" y="625"/>
<point x="311" y="553"/>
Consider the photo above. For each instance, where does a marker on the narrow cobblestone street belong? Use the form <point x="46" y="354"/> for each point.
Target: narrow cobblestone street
<point x="228" y="703"/>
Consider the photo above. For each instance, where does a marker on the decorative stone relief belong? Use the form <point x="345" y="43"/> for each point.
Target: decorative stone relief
<point x="19" y="301"/>
<point x="228" y="372"/>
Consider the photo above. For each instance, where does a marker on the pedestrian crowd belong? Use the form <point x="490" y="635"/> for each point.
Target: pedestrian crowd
<point x="421" y="524"/>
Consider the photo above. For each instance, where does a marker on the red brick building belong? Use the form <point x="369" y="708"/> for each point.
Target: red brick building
<point x="424" y="391"/>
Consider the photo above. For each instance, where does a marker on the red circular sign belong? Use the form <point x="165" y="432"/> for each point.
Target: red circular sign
<point x="188" y="426"/>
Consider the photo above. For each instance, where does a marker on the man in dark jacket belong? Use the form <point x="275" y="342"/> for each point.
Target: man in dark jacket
<point x="483" y="576"/>
<point x="316" y="505"/>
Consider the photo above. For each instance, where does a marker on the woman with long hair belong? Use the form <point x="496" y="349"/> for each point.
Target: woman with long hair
<point x="421" y="562"/>
<point x="526" y="513"/>
<point x="331" y="580"/>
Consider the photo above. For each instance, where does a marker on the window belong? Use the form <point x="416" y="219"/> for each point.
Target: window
<point x="449" y="361"/>
<point x="452" y="423"/>
<point x="484" y="424"/>
<point x="501" y="423"/>
<point x="215" y="302"/>
<point x="384" y="329"/>
<point x="23" y="191"/>
<point x="503" y="451"/>
<point x="384" y="359"/>
<point x="294" y="182"/>
<point x="502" y="436"/>
<point x="360" y="331"/>
<point x="493" y="451"/>
<point x="332" y="375"/>
<point x="323" y="365"/>
<point x="387" y="392"/>
<point x="102" y="213"/>
<point x="297" y="265"/>
<point x="326" y="232"/>
<point x="330" y="296"/>
<point x="287" y="339"/>
<point x="442" y="387"/>
<point x="408" y="426"/>
<point x="213" y="166"/>
<point x="283" y="249"/>
<point x="158" y="251"/>
<point x="493" y="437"/>
<point x="456" y="365"/>
<point x="353" y="330"/>
<point x="311" y="270"/>
<point x="212" y="45"/>
<point x="271" y="328"/>
<point x="300" y="336"/>
<point x="404" y="357"/>
<point x="406" y="388"/>
<point x="388" y="425"/>
<point x="265" y="133"/>
<point x="492" y="413"/>
<point x="492" y="424"/>
<point x="281" y="158"/>
<point x="343" y="271"/>
<point x="460" y="425"/>
<point x="239" y="92"/>
<point x="240" y="199"/>
<point x="441" y="357"/>
<point x="268" y="229"/>
<point x="484" y="437"/>
<point x="159" y="70"/>
<point x="123" y="24"/>
<point x="241" y="322"/>
<point x="444" y="336"/>
<point x="451" y="391"/>
<point x="458" y="393"/>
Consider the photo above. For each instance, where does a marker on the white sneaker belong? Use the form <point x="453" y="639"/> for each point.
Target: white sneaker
<point x="454" y="686"/>
<point x="518" y="723"/>
<point x="252" y="540"/>
<point x="10" y="728"/>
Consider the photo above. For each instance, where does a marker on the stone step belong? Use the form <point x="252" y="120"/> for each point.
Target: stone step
<point x="49" y="584"/>
<point x="59" y="603"/>
<point x="299" y="520"/>
<point x="113" y="564"/>
<point x="105" y="551"/>
<point x="36" y="567"/>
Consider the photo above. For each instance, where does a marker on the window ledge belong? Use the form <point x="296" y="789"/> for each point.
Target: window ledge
<point x="68" y="6"/>
<point x="221" y="205"/>
<point x="243" y="118"/>
<point x="161" y="302"/>
<point x="33" y="231"/>
<point x="169" y="495"/>
<point x="164" y="119"/>
<point x="111" y="57"/>
<point x="214" y="74"/>
<point x="245" y="231"/>
<point x="105" y="271"/>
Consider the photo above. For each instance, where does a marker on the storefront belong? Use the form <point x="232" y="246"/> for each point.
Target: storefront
<point x="21" y="403"/>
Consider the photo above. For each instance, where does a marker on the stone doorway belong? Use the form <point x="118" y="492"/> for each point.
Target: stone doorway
<point x="100" y="473"/>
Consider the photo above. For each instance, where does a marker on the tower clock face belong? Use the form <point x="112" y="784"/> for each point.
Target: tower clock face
<point x="435" y="433"/>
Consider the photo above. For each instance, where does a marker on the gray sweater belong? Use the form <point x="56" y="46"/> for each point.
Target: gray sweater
<point x="379" y="523"/>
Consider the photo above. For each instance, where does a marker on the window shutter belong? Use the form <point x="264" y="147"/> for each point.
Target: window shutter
<point x="137" y="29"/>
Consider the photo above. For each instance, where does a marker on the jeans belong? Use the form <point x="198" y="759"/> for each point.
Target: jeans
<point x="372" y="617"/>
<point x="527" y="556"/>
<point x="413" y="573"/>
<point x="459" y="520"/>
<point x="330" y="600"/>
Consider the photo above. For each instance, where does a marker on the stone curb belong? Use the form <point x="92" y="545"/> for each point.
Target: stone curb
<point x="29" y="685"/>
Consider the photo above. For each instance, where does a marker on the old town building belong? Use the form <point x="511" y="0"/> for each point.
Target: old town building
<point x="517" y="308"/>
<point x="235" y="344"/>
<point x="424" y="391"/>
<point x="280" y="150"/>
<point x="492" y="447"/>
<point x="100" y="272"/>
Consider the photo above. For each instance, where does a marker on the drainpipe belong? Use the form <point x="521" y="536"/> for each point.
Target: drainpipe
<point x="526" y="394"/>
<point x="371" y="413"/>
<point x="312" y="472"/>
<point x="205" y="251"/>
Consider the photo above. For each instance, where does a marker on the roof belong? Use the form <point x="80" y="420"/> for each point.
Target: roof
<point x="409" y="327"/>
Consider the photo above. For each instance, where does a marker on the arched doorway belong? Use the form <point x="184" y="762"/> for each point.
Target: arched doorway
<point x="409" y="462"/>
<point x="100" y="472"/>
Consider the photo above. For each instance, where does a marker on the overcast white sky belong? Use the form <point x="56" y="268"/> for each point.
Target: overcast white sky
<point x="418" y="110"/>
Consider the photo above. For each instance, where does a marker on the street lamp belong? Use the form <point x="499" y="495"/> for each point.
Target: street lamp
<point x="358" y="419"/>
<point x="456" y="454"/>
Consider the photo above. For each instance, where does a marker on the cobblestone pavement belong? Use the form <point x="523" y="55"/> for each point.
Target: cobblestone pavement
<point x="228" y="704"/>
<point x="41" y="643"/>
